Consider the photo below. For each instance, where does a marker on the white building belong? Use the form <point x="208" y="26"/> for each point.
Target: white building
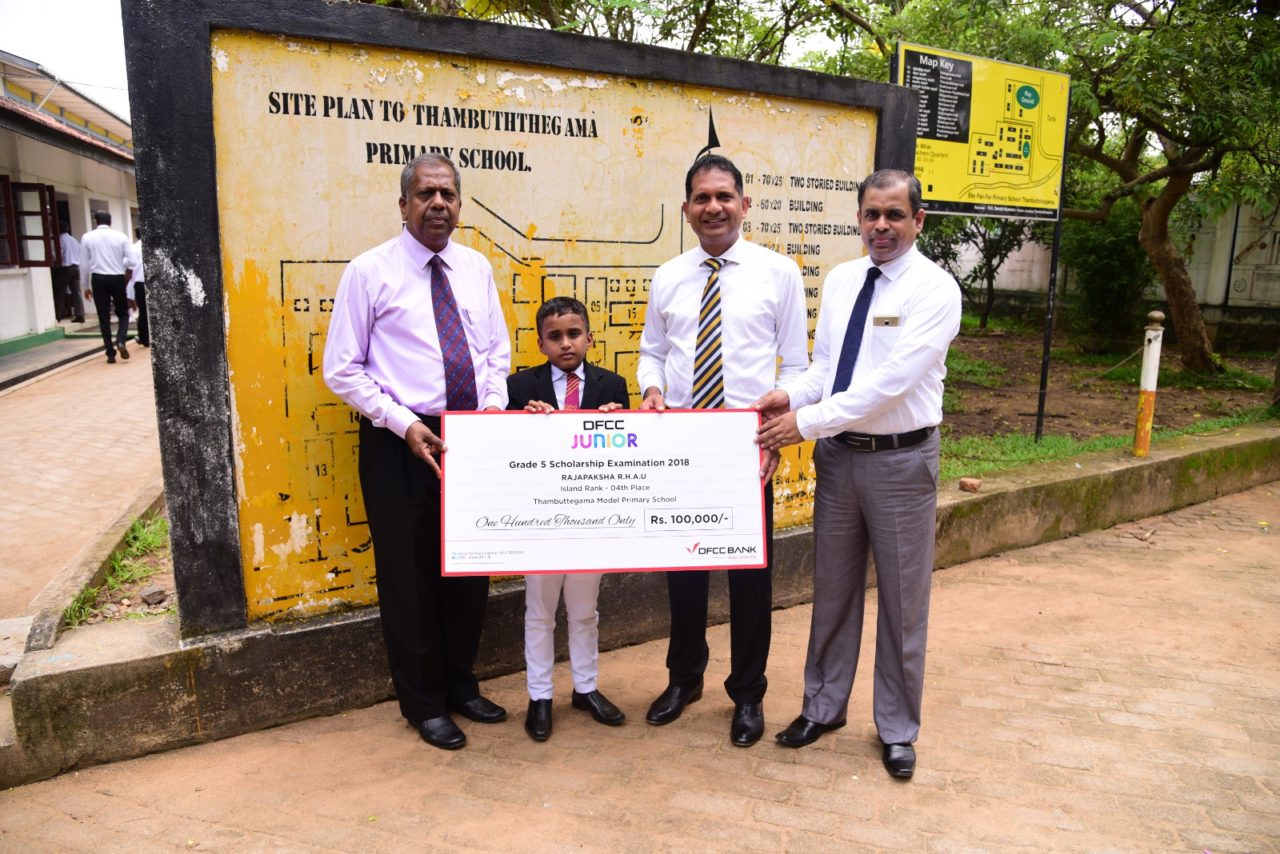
<point x="62" y="157"/>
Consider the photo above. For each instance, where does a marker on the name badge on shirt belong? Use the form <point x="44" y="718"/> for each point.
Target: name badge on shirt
<point x="885" y="320"/>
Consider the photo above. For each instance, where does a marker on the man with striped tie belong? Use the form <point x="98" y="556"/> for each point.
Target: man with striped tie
<point x="725" y="324"/>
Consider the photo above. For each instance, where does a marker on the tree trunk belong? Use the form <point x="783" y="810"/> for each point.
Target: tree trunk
<point x="1275" y="385"/>
<point x="1171" y="267"/>
<point x="991" y="298"/>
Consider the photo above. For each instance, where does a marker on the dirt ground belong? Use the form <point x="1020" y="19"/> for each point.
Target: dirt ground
<point x="1079" y="403"/>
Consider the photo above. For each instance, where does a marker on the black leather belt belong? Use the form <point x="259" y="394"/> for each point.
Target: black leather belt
<point x="868" y="443"/>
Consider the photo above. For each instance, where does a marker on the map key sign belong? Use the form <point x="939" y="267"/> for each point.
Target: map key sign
<point x="990" y="136"/>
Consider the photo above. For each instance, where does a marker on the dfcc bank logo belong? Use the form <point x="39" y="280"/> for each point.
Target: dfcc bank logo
<point x="699" y="549"/>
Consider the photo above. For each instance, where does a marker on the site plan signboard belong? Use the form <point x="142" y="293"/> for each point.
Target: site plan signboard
<point x="275" y="142"/>
<point x="990" y="136"/>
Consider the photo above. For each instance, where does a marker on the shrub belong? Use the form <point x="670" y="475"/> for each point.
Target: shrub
<point x="1109" y="276"/>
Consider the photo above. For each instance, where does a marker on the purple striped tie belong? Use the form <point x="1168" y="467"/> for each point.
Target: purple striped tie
<point x="459" y="372"/>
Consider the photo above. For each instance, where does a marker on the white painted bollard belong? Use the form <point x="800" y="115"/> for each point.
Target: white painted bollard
<point x="1147" y="383"/>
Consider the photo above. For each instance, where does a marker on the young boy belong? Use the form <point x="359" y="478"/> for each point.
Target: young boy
<point x="565" y="381"/>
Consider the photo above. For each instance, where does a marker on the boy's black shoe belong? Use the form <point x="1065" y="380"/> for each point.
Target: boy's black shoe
<point x="537" y="721"/>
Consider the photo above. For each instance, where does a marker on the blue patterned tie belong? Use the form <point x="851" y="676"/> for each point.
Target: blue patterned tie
<point x="708" y="368"/>
<point x="853" y="334"/>
<point x="459" y="372"/>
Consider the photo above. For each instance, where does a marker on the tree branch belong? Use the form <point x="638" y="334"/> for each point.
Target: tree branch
<point x="858" y="21"/>
<point x="699" y="26"/>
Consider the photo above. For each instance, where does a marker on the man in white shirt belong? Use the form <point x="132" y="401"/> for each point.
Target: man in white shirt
<point x="751" y="304"/>
<point x="106" y="261"/>
<point x="67" y="301"/>
<point x="137" y="288"/>
<point x="417" y="329"/>
<point x="873" y="400"/>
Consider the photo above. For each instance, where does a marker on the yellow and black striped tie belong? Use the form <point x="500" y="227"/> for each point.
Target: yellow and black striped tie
<point x="708" y="367"/>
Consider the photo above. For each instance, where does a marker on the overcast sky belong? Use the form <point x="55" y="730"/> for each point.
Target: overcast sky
<point x="78" y="40"/>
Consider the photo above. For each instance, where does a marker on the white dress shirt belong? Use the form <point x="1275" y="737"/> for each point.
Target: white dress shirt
<point x="135" y="264"/>
<point x="762" y="319"/>
<point x="382" y="355"/>
<point x="105" y="252"/>
<point x="559" y="381"/>
<point x="70" y="249"/>
<point x="897" y="379"/>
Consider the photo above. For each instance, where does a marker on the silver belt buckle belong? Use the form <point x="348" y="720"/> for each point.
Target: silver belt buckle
<point x="865" y="444"/>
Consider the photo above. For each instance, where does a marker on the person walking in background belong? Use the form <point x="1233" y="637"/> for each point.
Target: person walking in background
<point x="67" y="301"/>
<point x="138" y="288"/>
<point x="106" y="262"/>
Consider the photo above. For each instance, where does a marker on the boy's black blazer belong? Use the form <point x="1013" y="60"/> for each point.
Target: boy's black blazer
<point x="601" y="387"/>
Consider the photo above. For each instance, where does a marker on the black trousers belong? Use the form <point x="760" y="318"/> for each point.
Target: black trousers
<point x="750" y="623"/>
<point x="431" y="624"/>
<point x="108" y="290"/>
<point x="144" y="327"/>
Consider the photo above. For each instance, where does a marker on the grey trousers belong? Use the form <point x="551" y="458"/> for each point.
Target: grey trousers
<point x="884" y="502"/>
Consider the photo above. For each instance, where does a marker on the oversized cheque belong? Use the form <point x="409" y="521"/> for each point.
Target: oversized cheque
<point x="601" y="492"/>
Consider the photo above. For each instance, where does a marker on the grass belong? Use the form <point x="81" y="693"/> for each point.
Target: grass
<point x="969" y="325"/>
<point x="961" y="366"/>
<point x="1127" y="370"/>
<point x="974" y="456"/>
<point x="1231" y="378"/>
<point x="145" y="537"/>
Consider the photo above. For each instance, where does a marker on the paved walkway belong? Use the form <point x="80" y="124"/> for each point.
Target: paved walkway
<point x="1117" y="691"/>
<point x="77" y="447"/>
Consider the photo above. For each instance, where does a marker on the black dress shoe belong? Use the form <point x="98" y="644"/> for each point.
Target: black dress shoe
<point x="537" y="721"/>
<point x="440" y="732"/>
<point x="600" y="708"/>
<point x="803" y="731"/>
<point x="748" y="724"/>
<point x="900" y="760"/>
<point x="479" y="709"/>
<point x="671" y="702"/>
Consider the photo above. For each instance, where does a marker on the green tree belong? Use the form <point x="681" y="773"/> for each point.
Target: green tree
<point x="1174" y="100"/>
<point x="994" y="240"/>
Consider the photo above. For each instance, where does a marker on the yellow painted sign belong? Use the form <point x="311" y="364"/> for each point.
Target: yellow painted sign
<point x="990" y="136"/>
<point x="571" y="185"/>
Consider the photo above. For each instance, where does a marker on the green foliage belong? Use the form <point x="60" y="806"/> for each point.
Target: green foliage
<point x="1108" y="281"/>
<point x="145" y="537"/>
<point x="974" y="456"/>
<point x="970" y="324"/>
<point x="1229" y="378"/>
<point x="83" y="606"/>
<point x="961" y="366"/>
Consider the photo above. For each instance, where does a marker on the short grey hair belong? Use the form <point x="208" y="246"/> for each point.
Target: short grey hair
<point x="427" y="157"/>
<point x="887" y="179"/>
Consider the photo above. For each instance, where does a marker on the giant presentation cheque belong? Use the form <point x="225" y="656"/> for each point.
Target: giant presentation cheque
<point x="587" y="491"/>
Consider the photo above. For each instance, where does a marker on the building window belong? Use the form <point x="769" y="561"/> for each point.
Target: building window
<point x="28" y="224"/>
<point x="8" y="234"/>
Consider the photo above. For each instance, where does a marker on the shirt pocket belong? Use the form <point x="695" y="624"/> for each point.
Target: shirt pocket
<point x="883" y="340"/>
<point x="471" y="327"/>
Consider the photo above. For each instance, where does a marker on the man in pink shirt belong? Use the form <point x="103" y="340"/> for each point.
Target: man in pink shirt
<point x="417" y="329"/>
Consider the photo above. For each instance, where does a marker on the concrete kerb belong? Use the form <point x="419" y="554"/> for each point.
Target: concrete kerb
<point x="125" y="688"/>
<point x="89" y="570"/>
